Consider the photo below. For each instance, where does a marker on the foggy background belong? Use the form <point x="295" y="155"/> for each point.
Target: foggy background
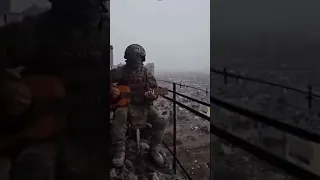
<point x="175" y="33"/>
<point x="265" y="33"/>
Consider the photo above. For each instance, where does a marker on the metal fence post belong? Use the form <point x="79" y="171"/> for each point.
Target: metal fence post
<point x="174" y="163"/>
<point x="5" y="19"/>
<point x="225" y="76"/>
<point x="309" y="97"/>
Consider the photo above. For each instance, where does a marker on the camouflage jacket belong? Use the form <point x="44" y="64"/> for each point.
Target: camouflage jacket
<point x="137" y="81"/>
<point x="44" y="46"/>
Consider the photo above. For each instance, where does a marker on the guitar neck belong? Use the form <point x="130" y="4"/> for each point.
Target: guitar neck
<point x="132" y="94"/>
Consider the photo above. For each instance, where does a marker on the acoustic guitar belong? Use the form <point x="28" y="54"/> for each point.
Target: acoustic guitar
<point x="38" y="123"/>
<point x="125" y="95"/>
<point x="46" y="117"/>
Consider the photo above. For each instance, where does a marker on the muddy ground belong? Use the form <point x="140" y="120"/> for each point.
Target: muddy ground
<point x="193" y="141"/>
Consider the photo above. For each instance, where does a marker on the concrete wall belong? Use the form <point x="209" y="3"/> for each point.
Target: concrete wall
<point x="16" y="12"/>
<point x="306" y="154"/>
<point x="21" y="5"/>
<point x="150" y="67"/>
<point x="10" y="17"/>
<point x="18" y="6"/>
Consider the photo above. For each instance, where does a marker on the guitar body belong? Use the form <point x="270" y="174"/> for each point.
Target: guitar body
<point x="121" y="100"/>
<point x="125" y="96"/>
<point x="124" y="100"/>
<point x="44" y="121"/>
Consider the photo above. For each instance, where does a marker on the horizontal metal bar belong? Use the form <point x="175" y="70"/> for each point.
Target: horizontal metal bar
<point x="189" y="109"/>
<point x="309" y="136"/>
<point x="260" y="81"/>
<point x="190" y="98"/>
<point x="287" y="166"/>
<point x="176" y="159"/>
<point x="184" y="85"/>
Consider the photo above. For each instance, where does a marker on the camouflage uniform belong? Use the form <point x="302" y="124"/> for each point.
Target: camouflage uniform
<point x="70" y="45"/>
<point x="138" y="80"/>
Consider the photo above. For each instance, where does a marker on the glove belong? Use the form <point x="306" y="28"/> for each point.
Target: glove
<point x="114" y="91"/>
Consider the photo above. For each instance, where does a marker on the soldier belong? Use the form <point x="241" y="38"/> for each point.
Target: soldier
<point x="138" y="78"/>
<point x="66" y="42"/>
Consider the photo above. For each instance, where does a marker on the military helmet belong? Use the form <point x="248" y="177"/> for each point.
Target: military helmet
<point x="135" y="49"/>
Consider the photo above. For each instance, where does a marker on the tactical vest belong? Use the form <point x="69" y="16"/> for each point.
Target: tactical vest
<point x="137" y="82"/>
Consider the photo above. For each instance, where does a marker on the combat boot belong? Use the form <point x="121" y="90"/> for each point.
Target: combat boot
<point x="120" y="155"/>
<point x="156" y="156"/>
<point x="119" y="158"/>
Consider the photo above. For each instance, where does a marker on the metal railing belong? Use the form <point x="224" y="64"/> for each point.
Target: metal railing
<point x="174" y="123"/>
<point x="226" y="74"/>
<point x="285" y="165"/>
<point x="183" y="85"/>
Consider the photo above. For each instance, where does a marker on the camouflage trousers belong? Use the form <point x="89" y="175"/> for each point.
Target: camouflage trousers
<point x="36" y="163"/>
<point x="119" y="125"/>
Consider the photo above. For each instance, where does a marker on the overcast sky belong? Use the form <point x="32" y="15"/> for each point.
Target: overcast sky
<point x="175" y="33"/>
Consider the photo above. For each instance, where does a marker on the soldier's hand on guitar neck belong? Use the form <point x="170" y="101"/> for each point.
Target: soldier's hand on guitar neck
<point x="115" y="92"/>
<point x="150" y="94"/>
<point x="14" y="94"/>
